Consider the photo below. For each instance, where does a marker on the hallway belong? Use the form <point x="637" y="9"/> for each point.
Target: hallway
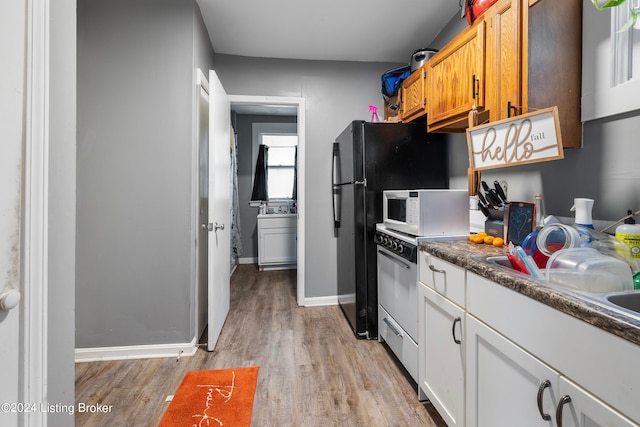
<point x="312" y="369"/>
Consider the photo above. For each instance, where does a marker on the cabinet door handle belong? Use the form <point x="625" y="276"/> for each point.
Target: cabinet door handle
<point x="473" y="87"/>
<point x="563" y="401"/>
<point x="545" y="384"/>
<point x="435" y="270"/>
<point x="453" y="330"/>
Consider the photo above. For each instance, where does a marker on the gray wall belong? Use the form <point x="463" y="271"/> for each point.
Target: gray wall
<point x="248" y="214"/>
<point x="335" y="93"/>
<point x="136" y="63"/>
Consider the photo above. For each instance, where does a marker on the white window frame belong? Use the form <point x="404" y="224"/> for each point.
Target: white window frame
<point x="609" y="86"/>
<point x="281" y="166"/>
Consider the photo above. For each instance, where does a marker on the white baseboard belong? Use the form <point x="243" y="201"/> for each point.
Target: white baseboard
<point x="248" y="260"/>
<point x="318" y="301"/>
<point x="135" y="352"/>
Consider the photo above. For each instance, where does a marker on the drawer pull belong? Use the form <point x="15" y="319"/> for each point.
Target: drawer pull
<point x="453" y="330"/>
<point x="545" y="384"/>
<point x="563" y="401"/>
<point x="393" y="328"/>
<point x="435" y="270"/>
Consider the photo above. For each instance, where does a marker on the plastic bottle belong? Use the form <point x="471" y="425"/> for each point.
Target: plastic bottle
<point x="374" y="113"/>
<point x="554" y="237"/>
<point x="540" y="214"/>
<point x="583" y="207"/>
<point x="629" y="232"/>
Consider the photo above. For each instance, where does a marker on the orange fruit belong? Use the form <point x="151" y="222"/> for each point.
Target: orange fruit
<point x="498" y="241"/>
<point x="478" y="239"/>
<point x="482" y="234"/>
<point x="488" y="240"/>
<point x="472" y="236"/>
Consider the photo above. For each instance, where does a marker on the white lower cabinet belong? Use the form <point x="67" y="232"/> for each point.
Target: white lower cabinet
<point x="502" y="359"/>
<point x="441" y="354"/>
<point x="506" y="386"/>
<point x="578" y="408"/>
<point x="277" y="238"/>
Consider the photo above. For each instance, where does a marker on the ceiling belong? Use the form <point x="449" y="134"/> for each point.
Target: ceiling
<point x="340" y="30"/>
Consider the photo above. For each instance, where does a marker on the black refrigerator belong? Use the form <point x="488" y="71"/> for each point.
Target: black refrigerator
<point x="367" y="159"/>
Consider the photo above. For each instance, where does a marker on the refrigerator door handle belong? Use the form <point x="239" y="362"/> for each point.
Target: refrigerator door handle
<point x="335" y="188"/>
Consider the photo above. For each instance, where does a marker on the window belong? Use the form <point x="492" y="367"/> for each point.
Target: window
<point x="281" y="164"/>
<point x="610" y="63"/>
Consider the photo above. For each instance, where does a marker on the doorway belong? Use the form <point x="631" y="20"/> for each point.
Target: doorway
<point x="274" y="105"/>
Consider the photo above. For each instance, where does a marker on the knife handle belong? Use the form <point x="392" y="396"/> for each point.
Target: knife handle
<point x="484" y="209"/>
<point x="482" y="199"/>
<point x="500" y="191"/>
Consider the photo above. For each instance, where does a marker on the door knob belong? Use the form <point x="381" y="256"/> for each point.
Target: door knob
<point x="212" y="227"/>
<point x="9" y="299"/>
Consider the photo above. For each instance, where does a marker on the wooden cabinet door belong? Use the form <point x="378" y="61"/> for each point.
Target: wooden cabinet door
<point x="505" y="383"/>
<point x="504" y="60"/>
<point x="441" y="354"/>
<point x="414" y="98"/>
<point x="456" y="77"/>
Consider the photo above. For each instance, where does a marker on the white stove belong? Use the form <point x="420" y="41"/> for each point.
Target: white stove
<point x="397" y="258"/>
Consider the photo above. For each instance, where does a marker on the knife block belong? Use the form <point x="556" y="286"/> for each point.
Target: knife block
<point x="494" y="225"/>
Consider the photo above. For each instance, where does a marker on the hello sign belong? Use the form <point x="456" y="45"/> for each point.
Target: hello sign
<point x="528" y="138"/>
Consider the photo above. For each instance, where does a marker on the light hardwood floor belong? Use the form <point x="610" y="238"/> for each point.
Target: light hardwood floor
<point x="313" y="371"/>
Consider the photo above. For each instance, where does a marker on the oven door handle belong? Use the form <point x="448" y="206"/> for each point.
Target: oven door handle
<point x="392" y="258"/>
<point x="392" y="327"/>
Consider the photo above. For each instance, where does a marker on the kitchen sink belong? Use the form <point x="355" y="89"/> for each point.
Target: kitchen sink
<point x="626" y="300"/>
<point x="502" y="261"/>
<point x="626" y="303"/>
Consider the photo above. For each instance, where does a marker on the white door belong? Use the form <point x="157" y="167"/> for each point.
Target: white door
<point x="12" y="25"/>
<point x="202" y="247"/>
<point x="219" y="208"/>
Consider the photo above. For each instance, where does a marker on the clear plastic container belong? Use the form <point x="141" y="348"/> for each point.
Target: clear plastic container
<point x="554" y="237"/>
<point x="587" y="269"/>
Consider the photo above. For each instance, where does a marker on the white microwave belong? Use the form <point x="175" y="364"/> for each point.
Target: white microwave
<point x="427" y="212"/>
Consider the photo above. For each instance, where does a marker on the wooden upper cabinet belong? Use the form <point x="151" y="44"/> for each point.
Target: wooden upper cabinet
<point x="523" y="55"/>
<point x="456" y="80"/>
<point x="414" y="97"/>
<point x="504" y="60"/>
<point x="552" y="62"/>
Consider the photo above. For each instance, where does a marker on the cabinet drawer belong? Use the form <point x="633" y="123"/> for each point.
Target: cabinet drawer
<point x="443" y="277"/>
<point x="277" y="222"/>
<point x="405" y="349"/>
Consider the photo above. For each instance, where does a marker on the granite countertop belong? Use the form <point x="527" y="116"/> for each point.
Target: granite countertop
<point x="472" y="257"/>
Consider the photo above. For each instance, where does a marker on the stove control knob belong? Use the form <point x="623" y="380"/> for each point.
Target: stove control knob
<point x="395" y="246"/>
<point x="400" y="249"/>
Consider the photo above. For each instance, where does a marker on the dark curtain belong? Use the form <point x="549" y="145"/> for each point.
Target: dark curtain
<point x="259" y="192"/>
<point x="294" y="193"/>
